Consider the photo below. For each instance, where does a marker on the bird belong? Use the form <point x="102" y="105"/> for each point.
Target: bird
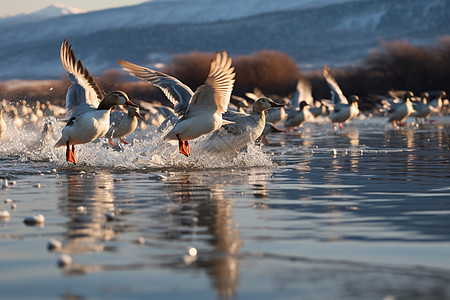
<point x="239" y="104"/>
<point x="243" y="129"/>
<point x="122" y="124"/>
<point x="2" y="124"/>
<point x="274" y="115"/>
<point x="436" y="103"/>
<point x="268" y="128"/>
<point x="400" y="110"/>
<point x="201" y="112"/>
<point x="159" y="115"/>
<point x="343" y="109"/>
<point x="14" y="114"/>
<point x="296" y="117"/>
<point x="87" y="109"/>
<point x="422" y="107"/>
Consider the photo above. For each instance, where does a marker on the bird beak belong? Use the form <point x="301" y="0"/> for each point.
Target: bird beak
<point x="139" y="115"/>
<point x="129" y="103"/>
<point x="276" y="129"/>
<point x="273" y="104"/>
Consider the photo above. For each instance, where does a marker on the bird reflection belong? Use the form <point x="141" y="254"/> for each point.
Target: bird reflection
<point x="85" y="202"/>
<point x="214" y="212"/>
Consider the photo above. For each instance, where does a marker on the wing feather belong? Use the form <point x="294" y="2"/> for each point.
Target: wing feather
<point x="178" y="93"/>
<point x="84" y="89"/>
<point x="336" y="94"/>
<point x="215" y="93"/>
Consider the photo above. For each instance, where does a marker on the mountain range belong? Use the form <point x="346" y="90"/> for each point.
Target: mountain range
<point x="52" y="11"/>
<point x="337" y="33"/>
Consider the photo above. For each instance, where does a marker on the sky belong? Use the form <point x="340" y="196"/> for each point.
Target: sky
<point x="14" y="7"/>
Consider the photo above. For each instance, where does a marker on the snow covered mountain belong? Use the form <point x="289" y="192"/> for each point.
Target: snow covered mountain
<point x="312" y="32"/>
<point x="51" y="11"/>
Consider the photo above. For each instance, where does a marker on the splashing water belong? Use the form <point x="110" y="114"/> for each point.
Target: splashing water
<point x="146" y="151"/>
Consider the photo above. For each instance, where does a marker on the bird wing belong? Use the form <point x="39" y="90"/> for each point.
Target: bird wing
<point x="177" y="92"/>
<point x="295" y="101"/>
<point x="84" y="91"/>
<point x="306" y="93"/>
<point x="302" y="93"/>
<point x="396" y="94"/>
<point x="233" y="116"/>
<point x="336" y="94"/>
<point x="215" y="93"/>
<point x="390" y="105"/>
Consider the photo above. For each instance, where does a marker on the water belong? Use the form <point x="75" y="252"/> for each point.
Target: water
<point x="359" y="214"/>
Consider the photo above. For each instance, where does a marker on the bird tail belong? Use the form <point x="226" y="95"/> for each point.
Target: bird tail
<point x="61" y="143"/>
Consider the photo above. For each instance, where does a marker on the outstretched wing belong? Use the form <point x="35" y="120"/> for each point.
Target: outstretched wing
<point x="178" y="93"/>
<point x="336" y="94"/>
<point x="84" y="89"/>
<point x="215" y="93"/>
<point x="302" y="93"/>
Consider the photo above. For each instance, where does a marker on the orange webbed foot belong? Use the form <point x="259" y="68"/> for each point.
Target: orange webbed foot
<point x="183" y="146"/>
<point x="123" y="141"/>
<point x="111" y="142"/>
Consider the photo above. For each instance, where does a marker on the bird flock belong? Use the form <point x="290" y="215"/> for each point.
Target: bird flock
<point x="233" y="121"/>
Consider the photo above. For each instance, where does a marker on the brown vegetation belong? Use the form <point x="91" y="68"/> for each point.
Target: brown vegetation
<point x="395" y="65"/>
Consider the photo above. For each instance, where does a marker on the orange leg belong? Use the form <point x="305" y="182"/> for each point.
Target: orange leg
<point x="394" y="124"/>
<point x="341" y="126"/>
<point x="183" y="146"/>
<point x="70" y="154"/>
<point x="123" y="141"/>
<point x="186" y="147"/>
<point x="111" y="142"/>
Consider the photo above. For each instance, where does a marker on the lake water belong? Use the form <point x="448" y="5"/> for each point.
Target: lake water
<point x="363" y="213"/>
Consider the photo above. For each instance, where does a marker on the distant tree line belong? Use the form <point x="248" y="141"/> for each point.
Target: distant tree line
<point x="394" y="65"/>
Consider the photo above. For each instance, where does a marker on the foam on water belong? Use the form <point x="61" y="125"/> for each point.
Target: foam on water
<point x="146" y="151"/>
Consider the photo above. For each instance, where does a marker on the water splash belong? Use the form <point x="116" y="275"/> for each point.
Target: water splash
<point x="146" y="151"/>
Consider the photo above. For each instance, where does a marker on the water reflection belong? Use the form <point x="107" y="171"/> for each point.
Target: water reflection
<point x="391" y="177"/>
<point x="85" y="202"/>
<point x="214" y="211"/>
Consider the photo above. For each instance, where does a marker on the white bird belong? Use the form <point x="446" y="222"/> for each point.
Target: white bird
<point x="239" y="103"/>
<point x="422" y="107"/>
<point x="399" y="111"/>
<point x="158" y="115"/>
<point x="343" y="110"/>
<point x="2" y="124"/>
<point x="87" y="110"/>
<point x="201" y="111"/>
<point x="300" y="104"/>
<point x="17" y="121"/>
<point x="297" y="117"/>
<point x="436" y="103"/>
<point x="303" y="92"/>
<point x="122" y="124"/>
<point x="243" y="129"/>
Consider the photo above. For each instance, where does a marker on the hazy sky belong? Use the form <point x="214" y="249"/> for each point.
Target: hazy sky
<point x="14" y="7"/>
